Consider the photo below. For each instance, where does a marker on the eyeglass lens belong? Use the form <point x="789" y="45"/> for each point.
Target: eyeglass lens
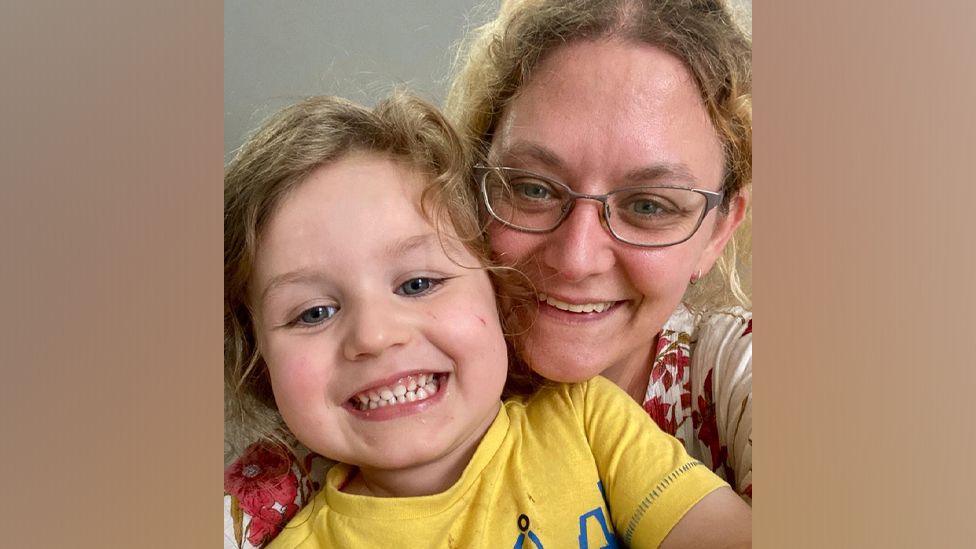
<point x="642" y="215"/>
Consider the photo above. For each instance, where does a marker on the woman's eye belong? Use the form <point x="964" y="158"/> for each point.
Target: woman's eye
<point x="534" y="191"/>
<point x="646" y="207"/>
<point x="316" y="315"/>
<point x="417" y="286"/>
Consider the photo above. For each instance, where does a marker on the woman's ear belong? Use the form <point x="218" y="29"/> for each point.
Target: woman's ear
<point x="725" y="226"/>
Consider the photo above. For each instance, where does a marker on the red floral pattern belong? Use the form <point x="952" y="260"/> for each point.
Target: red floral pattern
<point x="672" y="397"/>
<point x="707" y="426"/>
<point x="670" y="385"/>
<point x="660" y="412"/>
<point x="265" y="486"/>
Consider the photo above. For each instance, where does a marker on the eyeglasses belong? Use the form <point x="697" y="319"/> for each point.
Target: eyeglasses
<point x="650" y="216"/>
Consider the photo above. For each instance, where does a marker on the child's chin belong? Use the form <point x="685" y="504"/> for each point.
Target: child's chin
<point x="400" y="460"/>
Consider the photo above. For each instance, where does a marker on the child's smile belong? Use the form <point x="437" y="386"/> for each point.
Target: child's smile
<point x="382" y="339"/>
<point x="403" y="395"/>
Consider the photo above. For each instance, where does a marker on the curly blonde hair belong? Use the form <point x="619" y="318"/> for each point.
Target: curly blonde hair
<point x="498" y="59"/>
<point x="280" y="156"/>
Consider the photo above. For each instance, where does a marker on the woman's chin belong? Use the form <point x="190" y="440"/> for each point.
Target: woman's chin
<point x="563" y="367"/>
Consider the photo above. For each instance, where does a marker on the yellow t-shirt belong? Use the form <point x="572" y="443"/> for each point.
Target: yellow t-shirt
<point x="572" y="466"/>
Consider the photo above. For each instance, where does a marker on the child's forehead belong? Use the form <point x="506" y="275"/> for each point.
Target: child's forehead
<point x="365" y="186"/>
<point x="363" y="206"/>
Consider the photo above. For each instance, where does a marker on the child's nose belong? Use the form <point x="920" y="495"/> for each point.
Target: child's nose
<point x="374" y="330"/>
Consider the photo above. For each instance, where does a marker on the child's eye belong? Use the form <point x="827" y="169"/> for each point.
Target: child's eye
<point x="419" y="285"/>
<point x="316" y="315"/>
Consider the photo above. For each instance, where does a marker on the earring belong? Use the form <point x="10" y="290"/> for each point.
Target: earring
<point x="695" y="277"/>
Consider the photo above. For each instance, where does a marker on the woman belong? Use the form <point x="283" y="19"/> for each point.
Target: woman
<point x="593" y="97"/>
<point x="569" y="102"/>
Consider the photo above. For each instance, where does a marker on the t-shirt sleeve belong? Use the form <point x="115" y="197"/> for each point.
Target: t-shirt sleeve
<point x="650" y="482"/>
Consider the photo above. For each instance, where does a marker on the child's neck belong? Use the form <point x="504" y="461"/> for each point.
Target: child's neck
<point x="423" y="479"/>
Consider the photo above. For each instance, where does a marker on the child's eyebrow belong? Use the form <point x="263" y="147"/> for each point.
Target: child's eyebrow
<point x="404" y="246"/>
<point x="292" y="277"/>
<point x="396" y="249"/>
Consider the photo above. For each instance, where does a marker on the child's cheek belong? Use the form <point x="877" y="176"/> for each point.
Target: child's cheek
<point x="291" y="373"/>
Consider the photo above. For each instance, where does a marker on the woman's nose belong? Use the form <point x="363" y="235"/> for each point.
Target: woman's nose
<point x="582" y="246"/>
<point x="373" y="330"/>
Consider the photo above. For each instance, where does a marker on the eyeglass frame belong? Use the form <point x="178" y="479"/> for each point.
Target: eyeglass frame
<point x="712" y="200"/>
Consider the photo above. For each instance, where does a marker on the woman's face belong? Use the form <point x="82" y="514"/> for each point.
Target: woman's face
<point x="599" y="116"/>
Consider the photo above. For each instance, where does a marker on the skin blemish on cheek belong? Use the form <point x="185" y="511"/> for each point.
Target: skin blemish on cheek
<point x="483" y="323"/>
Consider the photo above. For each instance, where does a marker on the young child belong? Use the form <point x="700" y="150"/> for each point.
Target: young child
<point x="359" y="307"/>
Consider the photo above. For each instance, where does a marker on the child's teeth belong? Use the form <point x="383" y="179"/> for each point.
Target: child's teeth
<point x="409" y="389"/>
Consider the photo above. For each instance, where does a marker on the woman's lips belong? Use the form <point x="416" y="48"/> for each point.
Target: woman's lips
<point x="577" y="311"/>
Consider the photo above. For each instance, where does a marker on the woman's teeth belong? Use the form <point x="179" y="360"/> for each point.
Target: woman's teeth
<point x="408" y="389"/>
<point x="573" y="308"/>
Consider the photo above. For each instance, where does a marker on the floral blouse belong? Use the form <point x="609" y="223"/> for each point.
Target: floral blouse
<point x="700" y="391"/>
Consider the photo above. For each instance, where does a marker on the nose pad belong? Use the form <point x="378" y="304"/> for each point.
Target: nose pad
<point x="373" y="333"/>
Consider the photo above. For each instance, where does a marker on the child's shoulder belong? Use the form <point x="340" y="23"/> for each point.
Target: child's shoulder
<point x="565" y="399"/>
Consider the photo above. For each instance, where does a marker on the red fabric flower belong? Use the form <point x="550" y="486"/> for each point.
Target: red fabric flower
<point x="662" y="343"/>
<point x="259" y="479"/>
<point x="672" y="358"/>
<point x="659" y="412"/>
<point x="705" y="421"/>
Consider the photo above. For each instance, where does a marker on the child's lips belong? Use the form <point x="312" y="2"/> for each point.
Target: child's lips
<point x="400" y="392"/>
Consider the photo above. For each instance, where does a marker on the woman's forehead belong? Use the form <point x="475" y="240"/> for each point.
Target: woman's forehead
<point x="613" y="107"/>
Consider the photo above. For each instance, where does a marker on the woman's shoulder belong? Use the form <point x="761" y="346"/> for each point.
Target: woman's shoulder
<point x="709" y="323"/>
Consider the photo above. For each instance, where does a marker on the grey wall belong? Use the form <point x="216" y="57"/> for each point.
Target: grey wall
<point x="277" y="52"/>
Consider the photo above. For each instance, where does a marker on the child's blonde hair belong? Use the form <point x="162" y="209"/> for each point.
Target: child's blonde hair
<point x="279" y="157"/>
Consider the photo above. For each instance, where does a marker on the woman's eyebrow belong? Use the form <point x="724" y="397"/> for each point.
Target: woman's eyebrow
<point x="520" y="149"/>
<point x="663" y="170"/>
<point x="651" y="172"/>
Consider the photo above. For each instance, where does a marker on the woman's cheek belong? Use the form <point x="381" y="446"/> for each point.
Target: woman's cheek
<point x="511" y="246"/>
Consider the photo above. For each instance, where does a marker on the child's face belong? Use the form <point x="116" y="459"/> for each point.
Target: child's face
<point x="354" y="297"/>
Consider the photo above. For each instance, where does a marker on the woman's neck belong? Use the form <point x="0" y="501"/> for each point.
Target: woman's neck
<point x="422" y="479"/>
<point x="632" y="374"/>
